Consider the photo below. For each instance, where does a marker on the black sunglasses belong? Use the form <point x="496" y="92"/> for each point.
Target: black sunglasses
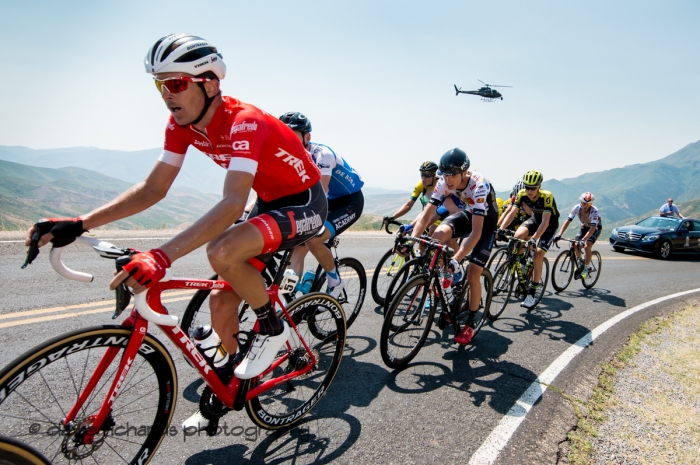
<point x="531" y="188"/>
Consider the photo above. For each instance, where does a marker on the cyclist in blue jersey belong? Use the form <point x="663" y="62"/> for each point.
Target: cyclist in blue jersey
<point x="343" y="186"/>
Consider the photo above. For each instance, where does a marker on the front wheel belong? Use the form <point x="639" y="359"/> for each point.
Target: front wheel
<point x="665" y="250"/>
<point x="410" y="269"/>
<point x="15" y="452"/>
<point x="407" y="323"/>
<point x="539" y="293"/>
<point x="352" y="296"/>
<point x="498" y="257"/>
<point x="320" y="322"/>
<point x="503" y="282"/>
<point x="563" y="271"/>
<point x="384" y="272"/>
<point x="41" y="386"/>
<point x="594" y="272"/>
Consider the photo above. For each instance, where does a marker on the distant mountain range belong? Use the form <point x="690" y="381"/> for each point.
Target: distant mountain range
<point x="92" y="176"/>
<point x="624" y="193"/>
<point x="29" y="193"/>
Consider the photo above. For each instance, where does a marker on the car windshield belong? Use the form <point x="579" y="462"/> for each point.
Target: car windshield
<point x="669" y="224"/>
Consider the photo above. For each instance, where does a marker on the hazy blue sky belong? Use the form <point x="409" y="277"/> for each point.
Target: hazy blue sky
<point x="596" y="85"/>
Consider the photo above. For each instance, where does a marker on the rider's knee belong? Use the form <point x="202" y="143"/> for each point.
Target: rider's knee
<point x="442" y="233"/>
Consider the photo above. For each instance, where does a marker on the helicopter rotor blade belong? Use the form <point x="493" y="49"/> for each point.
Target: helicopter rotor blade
<point x="500" y="86"/>
<point x="482" y="82"/>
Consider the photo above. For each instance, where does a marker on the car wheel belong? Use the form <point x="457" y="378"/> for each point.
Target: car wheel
<point x="665" y="250"/>
<point x="617" y="248"/>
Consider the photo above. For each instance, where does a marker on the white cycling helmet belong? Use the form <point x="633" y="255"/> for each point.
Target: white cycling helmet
<point x="184" y="53"/>
<point x="587" y="197"/>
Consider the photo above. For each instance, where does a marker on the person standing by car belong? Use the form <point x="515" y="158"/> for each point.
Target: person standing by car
<point x="668" y="209"/>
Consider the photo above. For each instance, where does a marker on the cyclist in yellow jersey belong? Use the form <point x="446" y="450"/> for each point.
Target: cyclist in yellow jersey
<point x="540" y="228"/>
<point x="422" y="192"/>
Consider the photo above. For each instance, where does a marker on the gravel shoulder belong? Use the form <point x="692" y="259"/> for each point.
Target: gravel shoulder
<point x="646" y="409"/>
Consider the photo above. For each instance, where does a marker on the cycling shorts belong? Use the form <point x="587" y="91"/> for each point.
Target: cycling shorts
<point x="343" y="212"/>
<point x="584" y="230"/>
<point x="289" y="221"/>
<point x="461" y="225"/>
<point x="546" y="240"/>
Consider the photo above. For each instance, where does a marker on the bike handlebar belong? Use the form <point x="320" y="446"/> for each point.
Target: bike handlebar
<point x="105" y="249"/>
<point x="431" y="243"/>
<point x="390" y="222"/>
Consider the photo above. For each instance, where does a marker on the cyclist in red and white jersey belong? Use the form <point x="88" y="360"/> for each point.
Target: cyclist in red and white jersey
<point x="591" y="227"/>
<point x="259" y="152"/>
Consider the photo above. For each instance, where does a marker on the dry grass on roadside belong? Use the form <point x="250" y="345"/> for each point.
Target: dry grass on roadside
<point x="660" y="426"/>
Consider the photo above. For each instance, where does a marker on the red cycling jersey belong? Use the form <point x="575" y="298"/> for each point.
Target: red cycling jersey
<point x="242" y="137"/>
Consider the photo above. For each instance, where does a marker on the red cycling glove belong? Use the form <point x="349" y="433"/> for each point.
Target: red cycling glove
<point x="148" y="267"/>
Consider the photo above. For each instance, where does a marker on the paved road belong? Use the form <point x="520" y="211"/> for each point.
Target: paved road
<point x="440" y="408"/>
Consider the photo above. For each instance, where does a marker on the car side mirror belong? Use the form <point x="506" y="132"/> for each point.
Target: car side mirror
<point x="684" y="231"/>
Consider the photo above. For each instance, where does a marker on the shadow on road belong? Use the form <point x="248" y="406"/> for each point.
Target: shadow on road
<point x="477" y="369"/>
<point x="595" y="295"/>
<point x="324" y="434"/>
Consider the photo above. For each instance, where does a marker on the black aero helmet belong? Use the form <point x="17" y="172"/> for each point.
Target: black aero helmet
<point x="296" y="121"/>
<point x="454" y="161"/>
<point x="428" y="166"/>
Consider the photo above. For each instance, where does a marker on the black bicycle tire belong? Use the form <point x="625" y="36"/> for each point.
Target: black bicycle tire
<point x="400" y="278"/>
<point x="17" y="452"/>
<point x="389" y="360"/>
<point x="589" y="285"/>
<point x="505" y="268"/>
<point x="562" y="256"/>
<point x="486" y="275"/>
<point x="500" y="251"/>
<point x="48" y="356"/>
<point x="376" y="296"/>
<point x="298" y="311"/>
<point x="355" y="264"/>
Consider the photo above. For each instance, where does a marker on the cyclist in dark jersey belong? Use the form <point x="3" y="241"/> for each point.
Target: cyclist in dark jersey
<point x="259" y="152"/>
<point x="540" y="228"/>
<point x="343" y="186"/>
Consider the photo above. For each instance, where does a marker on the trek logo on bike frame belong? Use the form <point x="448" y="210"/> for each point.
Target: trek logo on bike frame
<point x="120" y="382"/>
<point x="189" y="346"/>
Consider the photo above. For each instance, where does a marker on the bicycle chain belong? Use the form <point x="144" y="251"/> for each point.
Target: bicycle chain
<point x="212" y="409"/>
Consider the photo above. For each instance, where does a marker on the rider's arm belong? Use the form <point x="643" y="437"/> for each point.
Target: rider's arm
<point x="325" y="181"/>
<point x="564" y="226"/>
<point x="508" y="217"/>
<point x="589" y="234"/>
<point x="543" y="226"/>
<point x="468" y="245"/>
<point x="237" y="186"/>
<point x="404" y="209"/>
<point x="423" y="220"/>
<point x="501" y="221"/>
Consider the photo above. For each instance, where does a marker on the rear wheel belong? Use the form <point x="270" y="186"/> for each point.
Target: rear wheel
<point x="352" y="297"/>
<point x="462" y="301"/>
<point x="563" y="271"/>
<point x="386" y="269"/>
<point x="15" y="452"/>
<point x="320" y="321"/>
<point x="40" y="387"/>
<point x="503" y="282"/>
<point x="665" y="250"/>
<point x="407" y="323"/>
<point x="498" y="257"/>
<point x="594" y="272"/>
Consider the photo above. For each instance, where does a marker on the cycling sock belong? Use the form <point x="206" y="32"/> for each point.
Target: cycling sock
<point x="333" y="278"/>
<point x="270" y="324"/>
<point x="533" y="289"/>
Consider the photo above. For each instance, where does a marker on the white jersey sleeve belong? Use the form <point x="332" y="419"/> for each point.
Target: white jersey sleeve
<point x="324" y="158"/>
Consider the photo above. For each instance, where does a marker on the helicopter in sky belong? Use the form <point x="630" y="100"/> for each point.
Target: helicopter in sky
<point x="486" y="93"/>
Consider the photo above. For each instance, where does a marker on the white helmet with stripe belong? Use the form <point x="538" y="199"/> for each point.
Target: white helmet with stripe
<point x="184" y="53"/>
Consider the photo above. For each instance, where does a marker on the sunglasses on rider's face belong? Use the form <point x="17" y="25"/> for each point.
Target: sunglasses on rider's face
<point x="531" y="188"/>
<point x="175" y="85"/>
<point x="427" y="175"/>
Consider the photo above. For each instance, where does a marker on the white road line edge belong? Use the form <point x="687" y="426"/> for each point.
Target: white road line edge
<point x="499" y="437"/>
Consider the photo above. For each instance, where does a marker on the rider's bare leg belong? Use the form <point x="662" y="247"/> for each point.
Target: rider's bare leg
<point x="321" y="252"/>
<point x="297" y="261"/>
<point x="229" y="256"/>
<point x="474" y="280"/>
<point x="224" y="317"/>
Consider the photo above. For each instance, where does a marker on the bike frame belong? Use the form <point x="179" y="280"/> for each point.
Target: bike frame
<point x="139" y="328"/>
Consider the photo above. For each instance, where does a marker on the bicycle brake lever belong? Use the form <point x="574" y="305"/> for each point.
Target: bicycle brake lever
<point x="41" y="228"/>
<point x="122" y="295"/>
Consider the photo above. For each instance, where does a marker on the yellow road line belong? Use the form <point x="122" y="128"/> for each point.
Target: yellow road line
<point x="101" y="307"/>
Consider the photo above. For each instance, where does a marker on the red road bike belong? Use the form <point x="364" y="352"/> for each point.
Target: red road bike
<point x="107" y="394"/>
